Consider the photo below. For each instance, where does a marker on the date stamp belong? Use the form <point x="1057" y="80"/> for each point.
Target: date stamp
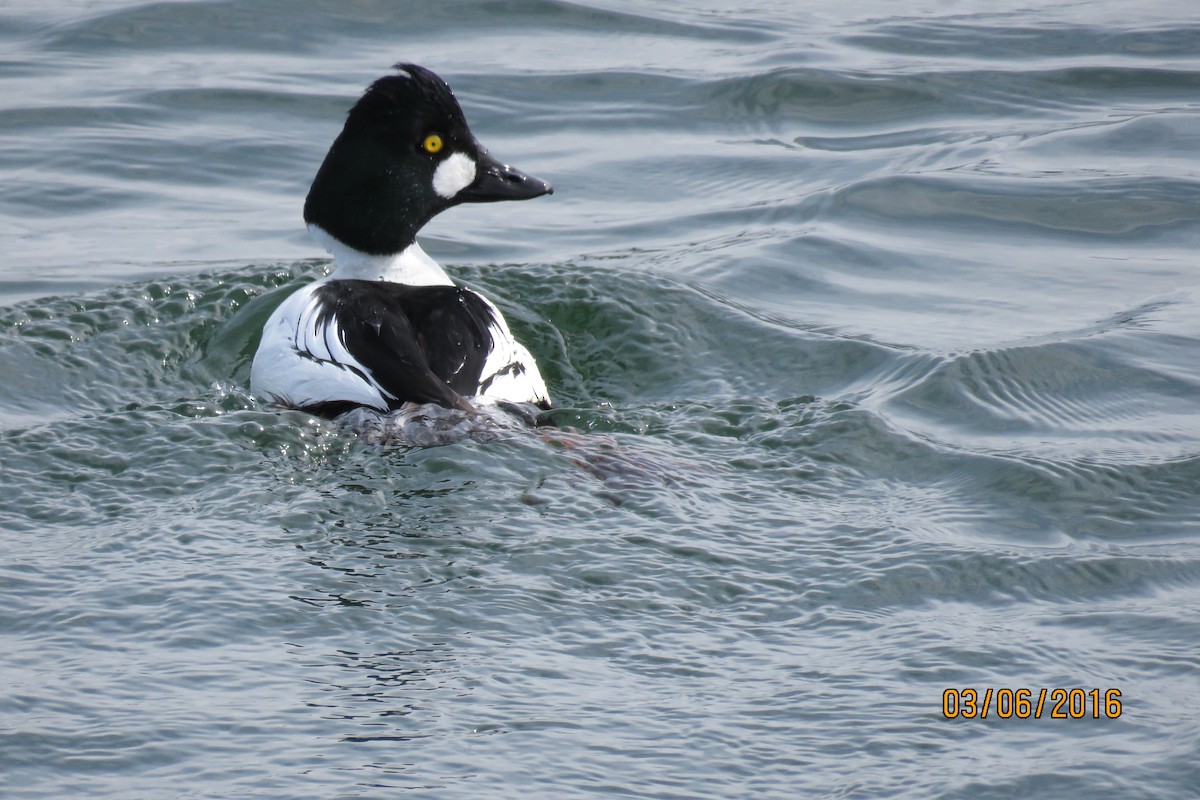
<point x="1031" y="703"/>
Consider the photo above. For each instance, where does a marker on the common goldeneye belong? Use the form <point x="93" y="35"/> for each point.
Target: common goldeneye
<point x="388" y="326"/>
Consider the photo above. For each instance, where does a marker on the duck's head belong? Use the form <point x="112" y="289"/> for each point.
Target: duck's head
<point x="405" y="155"/>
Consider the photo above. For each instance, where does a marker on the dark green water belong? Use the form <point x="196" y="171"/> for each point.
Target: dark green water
<point x="875" y="344"/>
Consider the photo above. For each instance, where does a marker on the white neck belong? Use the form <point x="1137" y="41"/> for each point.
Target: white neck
<point x="410" y="266"/>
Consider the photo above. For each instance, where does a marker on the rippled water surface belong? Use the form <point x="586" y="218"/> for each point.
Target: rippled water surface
<point x="873" y="332"/>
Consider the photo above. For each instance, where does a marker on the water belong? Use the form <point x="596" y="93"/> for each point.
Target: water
<point x="874" y="337"/>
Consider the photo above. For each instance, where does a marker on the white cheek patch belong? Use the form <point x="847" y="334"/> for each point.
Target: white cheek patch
<point x="453" y="175"/>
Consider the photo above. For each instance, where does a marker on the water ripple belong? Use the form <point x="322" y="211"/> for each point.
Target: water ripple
<point x="874" y="342"/>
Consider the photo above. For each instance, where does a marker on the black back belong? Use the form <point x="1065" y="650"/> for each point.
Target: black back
<point x="425" y="344"/>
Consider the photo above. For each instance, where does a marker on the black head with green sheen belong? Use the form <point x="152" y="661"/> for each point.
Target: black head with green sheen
<point x="405" y="155"/>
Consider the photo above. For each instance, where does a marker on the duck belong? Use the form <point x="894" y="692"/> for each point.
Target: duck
<point x="387" y="327"/>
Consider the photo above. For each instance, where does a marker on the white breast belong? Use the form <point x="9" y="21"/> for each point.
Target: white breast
<point x="510" y="373"/>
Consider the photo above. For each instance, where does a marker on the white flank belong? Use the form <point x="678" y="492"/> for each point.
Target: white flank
<point x="299" y="364"/>
<point x="453" y="175"/>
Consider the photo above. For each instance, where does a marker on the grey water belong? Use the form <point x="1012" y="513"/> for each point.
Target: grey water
<point x="874" y="334"/>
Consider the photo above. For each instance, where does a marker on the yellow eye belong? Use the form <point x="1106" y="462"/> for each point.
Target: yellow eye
<point x="433" y="143"/>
